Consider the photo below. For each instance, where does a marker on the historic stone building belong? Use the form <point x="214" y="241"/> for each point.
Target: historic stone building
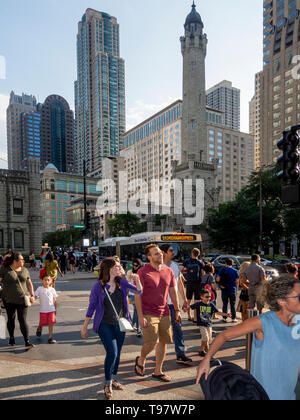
<point x="195" y="164"/>
<point x="20" y="210"/>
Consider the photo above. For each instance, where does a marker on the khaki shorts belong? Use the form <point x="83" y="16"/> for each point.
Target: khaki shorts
<point x="206" y="334"/>
<point x="158" y="330"/>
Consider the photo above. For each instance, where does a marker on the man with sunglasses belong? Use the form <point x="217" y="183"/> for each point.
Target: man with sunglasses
<point x="168" y="255"/>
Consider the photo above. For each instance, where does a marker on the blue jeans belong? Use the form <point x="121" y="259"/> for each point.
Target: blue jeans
<point x="135" y="319"/>
<point x="177" y="334"/>
<point x="113" y="340"/>
<point x="232" y="299"/>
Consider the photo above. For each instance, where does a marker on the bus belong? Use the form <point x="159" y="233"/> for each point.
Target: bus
<point x="133" y="247"/>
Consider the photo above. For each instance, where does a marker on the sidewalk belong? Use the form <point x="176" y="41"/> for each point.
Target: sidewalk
<point x="22" y="378"/>
<point x="79" y="275"/>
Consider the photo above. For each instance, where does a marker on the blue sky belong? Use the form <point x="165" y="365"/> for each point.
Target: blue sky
<point x="39" y="46"/>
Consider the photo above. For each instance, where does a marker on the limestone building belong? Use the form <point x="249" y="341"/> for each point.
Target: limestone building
<point x="20" y="209"/>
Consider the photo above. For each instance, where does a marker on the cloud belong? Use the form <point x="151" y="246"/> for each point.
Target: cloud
<point x="140" y="111"/>
<point x="4" y="102"/>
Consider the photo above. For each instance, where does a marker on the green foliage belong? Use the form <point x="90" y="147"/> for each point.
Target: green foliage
<point x="67" y="238"/>
<point x="125" y="225"/>
<point x="235" y="226"/>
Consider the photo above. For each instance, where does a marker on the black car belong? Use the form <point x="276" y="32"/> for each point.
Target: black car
<point x="280" y="263"/>
<point x="219" y="263"/>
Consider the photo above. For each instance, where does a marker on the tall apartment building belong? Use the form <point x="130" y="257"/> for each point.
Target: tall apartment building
<point x="226" y="98"/>
<point x="30" y="136"/>
<point x="254" y="120"/>
<point x="152" y="146"/>
<point x="17" y="106"/>
<point x="57" y="134"/>
<point x="99" y="90"/>
<point x="280" y="91"/>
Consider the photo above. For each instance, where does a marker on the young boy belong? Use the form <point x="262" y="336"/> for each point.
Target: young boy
<point x="205" y="310"/>
<point x="47" y="296"/>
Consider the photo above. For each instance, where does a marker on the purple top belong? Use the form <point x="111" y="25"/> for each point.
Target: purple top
<point x="97" y="301"/>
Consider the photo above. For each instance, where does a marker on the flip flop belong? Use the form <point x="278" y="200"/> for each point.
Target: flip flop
<point x="163" y="377"/>
<point x="142" y="368"/>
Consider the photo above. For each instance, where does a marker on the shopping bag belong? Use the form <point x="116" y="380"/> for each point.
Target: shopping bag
<point x="2" y="327"/>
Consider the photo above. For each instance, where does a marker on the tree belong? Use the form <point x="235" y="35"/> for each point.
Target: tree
<point x="125" y="225"/>
<point x="66" y="238"/>
<point x="235" y="226"/>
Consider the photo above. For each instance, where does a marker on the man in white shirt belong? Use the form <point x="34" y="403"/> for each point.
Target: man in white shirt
<point x="168" y="254"/>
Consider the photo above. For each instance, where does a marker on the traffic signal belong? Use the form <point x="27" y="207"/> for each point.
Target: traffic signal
<point x="290" y="159"/>
<point x="87" y="220"/>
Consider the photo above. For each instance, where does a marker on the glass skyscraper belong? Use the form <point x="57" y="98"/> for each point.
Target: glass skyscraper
<point x="99" y="91"/>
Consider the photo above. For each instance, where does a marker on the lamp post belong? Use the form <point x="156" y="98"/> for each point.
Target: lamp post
<point x="260" y="211"/>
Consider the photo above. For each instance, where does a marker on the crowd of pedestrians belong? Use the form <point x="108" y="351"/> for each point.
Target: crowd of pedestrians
<point x="155" y="291"/>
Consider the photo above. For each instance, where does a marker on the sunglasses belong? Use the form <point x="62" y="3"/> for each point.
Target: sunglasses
<point x="294" y="297"/>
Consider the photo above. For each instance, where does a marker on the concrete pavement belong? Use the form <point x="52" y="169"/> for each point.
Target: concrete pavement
<point x="59" y="372"/>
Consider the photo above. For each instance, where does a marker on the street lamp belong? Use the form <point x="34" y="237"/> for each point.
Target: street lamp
<point x="260" y="210"/>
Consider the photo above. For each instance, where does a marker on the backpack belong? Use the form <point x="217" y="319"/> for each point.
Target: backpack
<point x="224" y="279"/>
<point x="212" y="293"/>
<point x="193" y="272"/>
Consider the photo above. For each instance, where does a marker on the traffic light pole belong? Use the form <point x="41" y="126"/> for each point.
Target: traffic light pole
<point x="84" y="191"/>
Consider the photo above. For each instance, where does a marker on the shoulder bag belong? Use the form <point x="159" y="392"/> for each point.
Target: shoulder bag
<point x="124" y="324"/>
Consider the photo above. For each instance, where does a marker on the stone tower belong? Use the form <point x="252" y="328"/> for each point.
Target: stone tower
<point x="194" y="131"/>
<point x="195" y="165"/>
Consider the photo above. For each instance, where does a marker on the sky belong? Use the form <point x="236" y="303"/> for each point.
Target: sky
<point x="38" y="50"/>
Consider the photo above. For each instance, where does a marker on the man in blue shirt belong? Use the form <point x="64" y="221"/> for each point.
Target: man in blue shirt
<point x="228" y="278"/>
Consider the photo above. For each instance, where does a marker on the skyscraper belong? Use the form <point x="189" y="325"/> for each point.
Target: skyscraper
<point x="57" y="134"/>
<point x="224" y="97"/>
<point x="280" y="91"/>
<point x="17" y="106"/>
<point x="99" y="90"/>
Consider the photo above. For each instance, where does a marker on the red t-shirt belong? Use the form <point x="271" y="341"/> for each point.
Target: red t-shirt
<point x="156" y="285"/>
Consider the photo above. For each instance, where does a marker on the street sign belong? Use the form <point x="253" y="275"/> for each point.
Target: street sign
<point x="79" y="226"/>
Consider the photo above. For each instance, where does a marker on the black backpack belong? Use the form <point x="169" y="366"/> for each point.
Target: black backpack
<point x="224" y="279"/>
<point x="193" y="272"/>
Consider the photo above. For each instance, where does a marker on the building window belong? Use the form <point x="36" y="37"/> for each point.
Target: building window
<point x="19" y="239"/>
<point x="18" y="207"/>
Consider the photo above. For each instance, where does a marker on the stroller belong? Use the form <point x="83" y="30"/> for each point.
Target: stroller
<point x="229" y="382"/>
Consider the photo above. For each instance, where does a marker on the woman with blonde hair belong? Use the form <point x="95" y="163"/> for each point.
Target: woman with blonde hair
<point x="111" y="287"/>
<point x="275" y="357"/>
<point x="244" y="297"/>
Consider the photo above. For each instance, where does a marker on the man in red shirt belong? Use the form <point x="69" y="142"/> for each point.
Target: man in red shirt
<point x="153" y="311"/>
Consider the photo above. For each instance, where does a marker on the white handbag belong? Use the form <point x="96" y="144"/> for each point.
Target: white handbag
<point x="2" y="327"/>
<point x="124" y="324"/>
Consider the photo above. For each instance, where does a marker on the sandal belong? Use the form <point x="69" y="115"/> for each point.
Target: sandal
<point x="108" y="394"/>
<point x="141" y="368"/>
<point x="163" y="377"/>
<point x="117" y="386"/>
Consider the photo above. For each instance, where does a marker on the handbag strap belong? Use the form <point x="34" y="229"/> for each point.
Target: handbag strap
<point x="107" y="294"/>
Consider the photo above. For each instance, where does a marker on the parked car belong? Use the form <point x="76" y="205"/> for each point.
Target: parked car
<point x="264" y="261"/>
<point x="219" y="263"/>
<point x="280" y="263"/>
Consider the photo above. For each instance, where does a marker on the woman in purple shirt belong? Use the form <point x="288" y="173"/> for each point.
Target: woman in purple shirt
<point x="112" y="278"/>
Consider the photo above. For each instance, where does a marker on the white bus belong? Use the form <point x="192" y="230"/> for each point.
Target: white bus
<point x="133" y="247"/>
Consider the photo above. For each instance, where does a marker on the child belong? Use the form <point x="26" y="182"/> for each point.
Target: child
<point x="205" y="310"/>
<point x="47" y="296"/>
